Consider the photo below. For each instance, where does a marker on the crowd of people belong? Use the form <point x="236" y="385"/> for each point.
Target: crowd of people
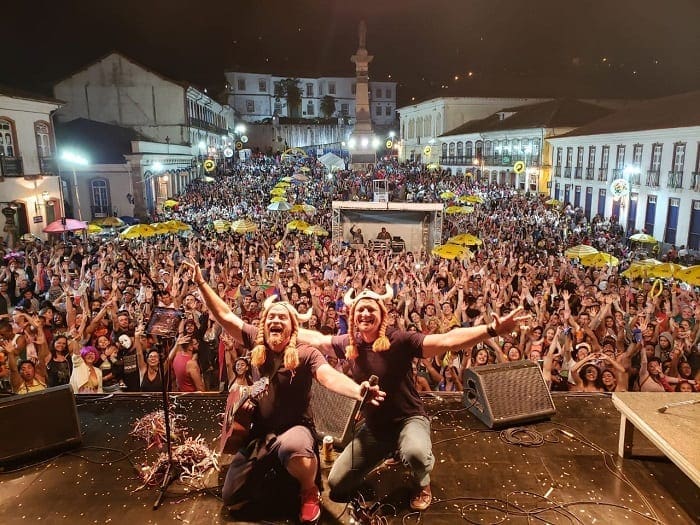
<point x="80" y="311"/>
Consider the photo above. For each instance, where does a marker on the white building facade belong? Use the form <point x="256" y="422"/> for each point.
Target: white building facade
<point x="423" y="122"/>
<point x="30" y="192"/>
<point x="182" y="125"/>
<point x="660" y="167"/>
<point x="252" y="96"/>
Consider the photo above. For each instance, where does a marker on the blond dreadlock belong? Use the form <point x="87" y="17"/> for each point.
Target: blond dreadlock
<point x="291" y="354"/>
<point x="382" y="342"/>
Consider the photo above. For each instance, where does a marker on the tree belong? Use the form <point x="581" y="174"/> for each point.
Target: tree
<point x="328" y="106"/>
<point x="289" y="89"/>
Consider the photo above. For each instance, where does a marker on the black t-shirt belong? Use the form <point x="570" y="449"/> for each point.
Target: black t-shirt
<point x="395" y="372"/>
<point x="286" y="403"/>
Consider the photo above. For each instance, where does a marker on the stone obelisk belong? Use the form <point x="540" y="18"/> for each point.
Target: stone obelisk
<point x="362" y="150"/>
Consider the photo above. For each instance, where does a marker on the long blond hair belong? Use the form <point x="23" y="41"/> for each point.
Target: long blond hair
<point x="291" y="354"/>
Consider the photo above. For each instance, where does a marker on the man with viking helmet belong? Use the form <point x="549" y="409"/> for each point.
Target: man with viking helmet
<point x="282" y="428"/>
<point x="400" y="423"/>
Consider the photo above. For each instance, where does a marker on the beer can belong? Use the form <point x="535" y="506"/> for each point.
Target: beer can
<point x="327" y="449"/>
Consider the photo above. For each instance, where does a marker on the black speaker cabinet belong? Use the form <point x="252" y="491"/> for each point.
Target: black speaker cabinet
<point x="39" y="422"/>
<point x="507" y="394"/>
<point x="333" y="414"/>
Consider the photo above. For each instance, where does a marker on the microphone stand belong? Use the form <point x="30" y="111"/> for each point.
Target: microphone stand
<point x="171" y="473"/>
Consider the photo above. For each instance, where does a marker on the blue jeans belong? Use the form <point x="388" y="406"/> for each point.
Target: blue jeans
<point x="366" y="451"/>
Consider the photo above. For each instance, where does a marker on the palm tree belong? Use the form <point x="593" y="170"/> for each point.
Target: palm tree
<point x="328" y="106"/>
<point x="289" y="89"/>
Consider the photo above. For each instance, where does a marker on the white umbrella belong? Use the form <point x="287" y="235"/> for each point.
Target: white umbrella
<point x="280" y="206"/>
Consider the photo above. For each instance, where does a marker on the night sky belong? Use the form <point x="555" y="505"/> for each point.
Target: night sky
<point x="585" y="48"/>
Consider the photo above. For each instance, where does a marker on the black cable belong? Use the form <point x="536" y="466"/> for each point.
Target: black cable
<point x="522" y="436"/>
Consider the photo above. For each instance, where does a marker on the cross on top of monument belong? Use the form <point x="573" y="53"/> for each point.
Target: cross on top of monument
<point x="363" y="34"/>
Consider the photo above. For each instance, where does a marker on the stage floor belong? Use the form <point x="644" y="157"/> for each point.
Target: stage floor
<point x="478" y="476"/>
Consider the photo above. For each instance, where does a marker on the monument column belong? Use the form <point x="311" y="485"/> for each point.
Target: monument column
<point x="362" y="150"/>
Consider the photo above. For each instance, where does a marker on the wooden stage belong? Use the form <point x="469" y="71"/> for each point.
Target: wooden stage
<point x="573" y="475"/>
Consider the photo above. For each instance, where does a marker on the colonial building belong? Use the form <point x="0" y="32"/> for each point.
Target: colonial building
<point x="30" y="193"/>
<point x="174" y="126"/>
<point x="423" y="122"/>
<point x="640" y="165"/>
<point x="509" y="147"/>
<point x="252" y="95"/>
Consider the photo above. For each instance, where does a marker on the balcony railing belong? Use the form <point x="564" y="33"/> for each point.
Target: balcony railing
<point x="557" y="171"/>
<point x="578" y="172"/>
<point x="602" y="174"/>
<point x="695" y="181"/>
<point x="11" y="166"/>
<point x="675" y="180"/>
<point x="653" y="177"/>
<point x="567" y="172"/>
<point x="590" y="173"/>
<point x="48" y="165"/>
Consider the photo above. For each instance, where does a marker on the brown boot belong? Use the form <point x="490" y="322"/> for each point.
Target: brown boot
<point x="422" y="498"/>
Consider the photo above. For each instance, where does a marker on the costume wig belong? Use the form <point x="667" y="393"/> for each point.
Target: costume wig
<point x="291" y="355"/>
<point x="382" y="342"/>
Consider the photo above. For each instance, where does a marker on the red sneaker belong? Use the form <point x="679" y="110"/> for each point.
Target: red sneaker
<point x="310" y="506"/>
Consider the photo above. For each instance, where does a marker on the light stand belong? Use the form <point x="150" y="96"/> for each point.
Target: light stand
<point x="171" y="473"/>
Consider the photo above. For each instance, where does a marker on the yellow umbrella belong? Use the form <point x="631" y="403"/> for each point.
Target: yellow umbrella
<point x="579" y="251"/>
<point x="454" y="210"/>
<point x="449" y="251"/>
<point x="162" y="228"/>
<point x="178" y="225"/>
<point x="138" y="231"/>
<point x="286" y="179"/>
<point x="170" y="203"/>
<point x="94" y="228"/>
<point x="316" y="230"/>
<point x="465" y="238"/>
<point x="643" y="237"/>
<point x="221" y="225"/>
<point x="433" y="166"/>
<point x="111" y="222"/>
<point x="278" y="199"/>
<point x="297" y="208"/>
<point x="599" y="260"/>
<point x="690" y="275"/>
<point x="463" y="198"/>
<point x="305" y="169"/>
<point x="665" y="270"/>
<point x="282" y="184"/>
<point x="447" y="195"/>
<point x="641" y="268"/>
<point x="297" y="224"/>
<point x="309" y="209"/>
<point x="475" y="198"/>
<point x="553" y="202"/>
<point x="278" y="191"/>
<point x="243" y="226"/>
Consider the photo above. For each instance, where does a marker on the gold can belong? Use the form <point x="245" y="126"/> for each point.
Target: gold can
<point x="327" y="449"/>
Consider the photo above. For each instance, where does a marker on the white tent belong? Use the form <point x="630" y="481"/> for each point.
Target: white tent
<point x="332" y="162"/>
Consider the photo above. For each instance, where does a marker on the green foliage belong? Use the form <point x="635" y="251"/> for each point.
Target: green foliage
<point x="327" y="106"/>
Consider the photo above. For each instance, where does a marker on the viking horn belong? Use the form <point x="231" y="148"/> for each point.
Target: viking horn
<point x="388" y="294"/>
<point x="348" y="298"/>
<point x="268" y="302"/>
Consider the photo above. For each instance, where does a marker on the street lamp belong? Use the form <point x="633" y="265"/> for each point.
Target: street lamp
<point x="74" y="159"/>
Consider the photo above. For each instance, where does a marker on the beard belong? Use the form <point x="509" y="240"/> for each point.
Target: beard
<point x="276" y="338"/>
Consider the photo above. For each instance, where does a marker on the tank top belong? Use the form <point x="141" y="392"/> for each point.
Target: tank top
<point x="151" y="386"/>
<point x="182" y="378"/>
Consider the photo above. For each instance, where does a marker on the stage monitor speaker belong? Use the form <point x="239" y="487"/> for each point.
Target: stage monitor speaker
<point x="507" y="394"/>
<point x="38" y="422"/>
<point x="334" y="415"/>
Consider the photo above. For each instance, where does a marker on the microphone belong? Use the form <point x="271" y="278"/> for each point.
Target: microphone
<point x="373" y="380"/>
<point x="663" y="409"/>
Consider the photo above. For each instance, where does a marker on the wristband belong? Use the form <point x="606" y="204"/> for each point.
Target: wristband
<point x="491" y="330"/>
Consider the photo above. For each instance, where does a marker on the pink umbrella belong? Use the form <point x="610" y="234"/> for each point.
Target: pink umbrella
<point x="70" y="225"/>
